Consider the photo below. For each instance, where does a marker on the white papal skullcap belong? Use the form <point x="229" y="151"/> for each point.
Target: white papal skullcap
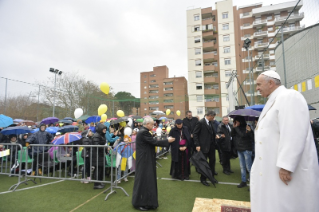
<point x="271" y="74"/>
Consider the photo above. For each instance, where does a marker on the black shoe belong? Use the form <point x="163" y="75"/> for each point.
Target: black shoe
<point x="226" y="172"/>
<point x="142" y="208"/>
<point x="215" y="181"/>
<point x="230" y="171"/>
<point x="215" y="173"/>
<point x="242" y="184"/>
<point x="98" y="186"/>
<point x="186" y="178"/>
<point x="205" y="183"/>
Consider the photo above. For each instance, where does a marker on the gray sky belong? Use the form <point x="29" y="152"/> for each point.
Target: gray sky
<point x="106" y="41"/>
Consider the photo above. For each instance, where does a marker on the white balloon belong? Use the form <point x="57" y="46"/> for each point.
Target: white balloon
<point x="128" y="131"/>
<point x="78" y="113"/>
<point x="130" y="122"/>
<point x="158" y="131"/>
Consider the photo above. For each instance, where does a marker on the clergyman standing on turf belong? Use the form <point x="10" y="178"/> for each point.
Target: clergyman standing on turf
<point x="285" y="173"/>
<point x="145" y="184"/>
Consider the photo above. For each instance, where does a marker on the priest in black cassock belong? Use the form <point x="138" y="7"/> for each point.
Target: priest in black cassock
<point x="145" y="184"/>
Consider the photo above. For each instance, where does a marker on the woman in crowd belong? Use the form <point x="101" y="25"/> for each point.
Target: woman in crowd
<point x="86" y="140"/>
<point x="110" y="138"/>
<point x="180" y="167"/>
<point x="243" y="136"/>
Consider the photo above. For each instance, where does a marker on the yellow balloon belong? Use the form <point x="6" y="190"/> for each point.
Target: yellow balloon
<point x="120" y="113"/>
<point x="168" y="111"/>
<point x="123" y="123"/>
<point x="168" y="129"/>
<point x="178" y="113"/>
<point x="105" y="88"/>
<point x="102" y="109"/>
<point x="103" y="117"/>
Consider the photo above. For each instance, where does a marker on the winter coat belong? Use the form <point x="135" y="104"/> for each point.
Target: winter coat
<point x="243" y="139"/>
<point x="190" y="124"/>
<point x="98" y="153"/>
<point x="40" y="137"/>
<point x="86" y="150"/>
<point x="175" y="133"/>
<point x="224" y="143"/>
<point x="204" y="136"/>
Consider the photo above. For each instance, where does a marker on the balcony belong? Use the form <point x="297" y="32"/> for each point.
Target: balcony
<point x="209" y="55"/>
<point x="259" y="22"/>
<point x="260" y="68"/>
<point x="259" y="57"/>
<point x="211" y="103"/>
<point x="292" y="17"/>
<point x="209" y="67"/>
<point x="288" y="30"/>
<point x="210" y="78"/>
<point x="211" y="91"/>
<point x="261" y="34"/>
<point x="209" y="43"/>
<point x="261" y="45"/>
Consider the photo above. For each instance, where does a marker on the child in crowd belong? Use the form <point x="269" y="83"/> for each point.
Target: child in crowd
<point x="123" y="159"/>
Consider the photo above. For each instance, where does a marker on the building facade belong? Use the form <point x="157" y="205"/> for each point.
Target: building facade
<point x="159" y="92"/>
<point x="215" y="48"/>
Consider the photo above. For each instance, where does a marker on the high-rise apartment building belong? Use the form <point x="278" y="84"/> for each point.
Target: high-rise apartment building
<point x="215" y="48"/>
<point x="159" y="92"/>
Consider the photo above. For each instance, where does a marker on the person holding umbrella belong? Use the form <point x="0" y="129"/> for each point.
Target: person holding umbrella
<point x="40" y="137"/>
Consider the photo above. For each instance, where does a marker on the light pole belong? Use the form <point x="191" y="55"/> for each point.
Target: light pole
<point x="55" y="72"/>
<point x="247" y="43"/>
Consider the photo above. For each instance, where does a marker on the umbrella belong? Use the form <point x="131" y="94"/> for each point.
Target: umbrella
<point x="139" y="120"/>
<point x="28" y="122"/>
<point x="49" y="120"/>
<point x="67" y="138"/>
<point x="18" y="120"/>
<point x="117" y="121"/>
<point x="136" y="117"/>
<point x="68" y="118"/>
<point x="256" y="107"/>
<point x="199" y="161"/>
<point x="92" y="128"/>
<point x="84" y="117"/>
<point x="157" y="112"/>
<point x="161" y="119"/>
<point x="311" y="108"/>
<point x="65" y="121"/>
<point x="16" y="130"/>
<point x="113" y="118"/>
<point x="5" y="121"/>
<point x="249" y="114"/>
<point x="51" y="130"/>
<point x="68" y="128"/>
<point x="93" y="119"/>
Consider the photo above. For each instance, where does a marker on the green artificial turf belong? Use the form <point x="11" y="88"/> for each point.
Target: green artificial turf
<point x="68" y="195"/>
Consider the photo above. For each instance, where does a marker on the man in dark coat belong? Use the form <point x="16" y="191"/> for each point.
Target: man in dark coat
<point x="145" y="184"/>
<point x="190" y="122"/>
<point x="225" y="144"/>
<point x="204" y="138"/>
<point x="98" y="154"/>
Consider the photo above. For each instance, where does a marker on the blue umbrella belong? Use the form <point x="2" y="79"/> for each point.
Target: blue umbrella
<point x="67" y="138"/>
<point x="92" y="128"/>
<point x="50" y="120"/>
<point x="93" y="119"/>
<point x="68" y="128"/>
<point x="161" y="119"/>
<point x="51" y="130"/>
<point x="256" y="107"/>
<point x="16" y="130"/>
<point x="65" y="121"/>
<point x="5" y="121"/>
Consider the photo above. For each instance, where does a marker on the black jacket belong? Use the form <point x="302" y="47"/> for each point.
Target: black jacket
<point x="243" y="138"/>
<point x="98" y="153"/>
<point x="190" y="124"/>
<point x="175" y="133"/>
<point x="224" y="143"/>
<point x="86" y="150"/>
<point x="204" y="135"/>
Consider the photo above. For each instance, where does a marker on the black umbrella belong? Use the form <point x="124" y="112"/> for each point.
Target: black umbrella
<point x="311" y="108"/>
<point x="117" y="121"/>
<point x="199" y="161"/>
<point x="65" y="121"/>
<point x="136" y="117"/>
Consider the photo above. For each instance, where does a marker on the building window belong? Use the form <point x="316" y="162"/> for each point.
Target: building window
<point x="199" y="74"/>
<point x="196" y="28"/>
<point x="277" y="16"/>
<point x="225" y="26"/>
<point x="168" y="100"/>
<point x="207" y="27"/>
<point x="153" y="97"/>
<point x="199" y="98"/>
<point x="154" y="102"/>
<point x="215" y="64"/>
<point x="168" y="83"/>
<point x="227" y="49"/>
<point x="199" y="86"/>
<point x="227" y="73"/>
<point x="153" y="86"/>
<point x="168" y="94"/>
<point x="145" y="76"/>
<point x="269" y="17"/>
<point x="247" y="35"/>
<point x="198" y="62"/>
<point x="272" y="63"/>
<point x="153" y="108"/>
<point x="196" y="17"/>
<point x="168" y="89"/>
<point x="153" y="75"/>
<point x="226" y="38"/>
<point x="145" y="109"/>
<point x="246" y="14"/>
<point x="153" y="80"/>
<point x="270" y="28"/>
<point x="272" y="52"/>
<point x="225" y="15"/>
<point x="197" y="39"/>
<point x="144" y="81"/>
<point x="153" y="91"/>
<point x="199" y="110"/>
<point x="144" y="92"/>
<point x="227" y="61"/>
<point x="246" y="24"/>
<point x="198" y="51"/>
<point x="144" y="87"/>
<point x="168" y="106"/>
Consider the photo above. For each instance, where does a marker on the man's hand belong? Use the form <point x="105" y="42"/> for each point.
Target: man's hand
<point x="198" y="148"/>
<point x="248" y="128"/>
<point x="222" y="135"/>
<point x="191" y="135"/>
<point x="217" y="137"/>
<point x="182" y="148"/>
<point x="171" y="139"/>
<point x="285" y="175"/>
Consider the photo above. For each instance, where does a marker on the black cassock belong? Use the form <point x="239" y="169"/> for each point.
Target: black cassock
<point x="145" y="184"/>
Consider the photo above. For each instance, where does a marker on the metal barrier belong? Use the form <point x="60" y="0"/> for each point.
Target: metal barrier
<point x="160" y="151"/>
<point x="12" y="162"/>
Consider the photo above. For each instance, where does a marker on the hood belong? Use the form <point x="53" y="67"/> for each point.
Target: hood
<point x="99" y="128"/>
<point x="42" y="124"/>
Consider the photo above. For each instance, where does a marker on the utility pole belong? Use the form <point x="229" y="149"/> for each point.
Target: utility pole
<point x="55" y="72"/>
<point x="283" y="54"/>
<point x="5" y="96"/>
<point x="38" y="103"/>
<point x="246" y="45"/>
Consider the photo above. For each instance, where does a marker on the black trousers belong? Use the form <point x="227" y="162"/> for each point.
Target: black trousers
<point x="98" y="174"/>
<point x="212" y="160"/>
<point x="226" y="160"/>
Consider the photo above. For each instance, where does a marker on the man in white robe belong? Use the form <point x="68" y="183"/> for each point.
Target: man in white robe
<point x="285" y="173"/>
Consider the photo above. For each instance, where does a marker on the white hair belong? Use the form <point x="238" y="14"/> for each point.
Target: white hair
<point x="147" y="120"/>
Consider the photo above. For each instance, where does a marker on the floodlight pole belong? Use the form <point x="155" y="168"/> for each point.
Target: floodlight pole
<point x="38" y="102"/>
<point x="5" y="96"/>
<point x="54" y="94"/>
<point x="283" y="54"/>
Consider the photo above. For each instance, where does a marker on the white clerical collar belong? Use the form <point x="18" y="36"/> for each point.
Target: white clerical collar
<point x="275" y="92"/>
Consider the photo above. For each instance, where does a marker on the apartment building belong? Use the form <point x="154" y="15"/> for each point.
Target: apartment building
<point x="160" y="92"/>
<point x="215" y="48"/>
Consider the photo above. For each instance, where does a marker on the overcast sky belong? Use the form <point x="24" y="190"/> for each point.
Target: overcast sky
<point x="106" y="41"/>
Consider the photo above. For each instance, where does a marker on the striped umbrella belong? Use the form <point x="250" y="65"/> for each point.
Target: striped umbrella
<point x="67" y="138"/>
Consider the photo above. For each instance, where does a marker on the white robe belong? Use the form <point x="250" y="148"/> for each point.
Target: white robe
<point x="283" y="139"/>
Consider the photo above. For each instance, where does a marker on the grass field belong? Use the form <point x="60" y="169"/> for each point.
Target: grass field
<point x="74" y="196"/>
